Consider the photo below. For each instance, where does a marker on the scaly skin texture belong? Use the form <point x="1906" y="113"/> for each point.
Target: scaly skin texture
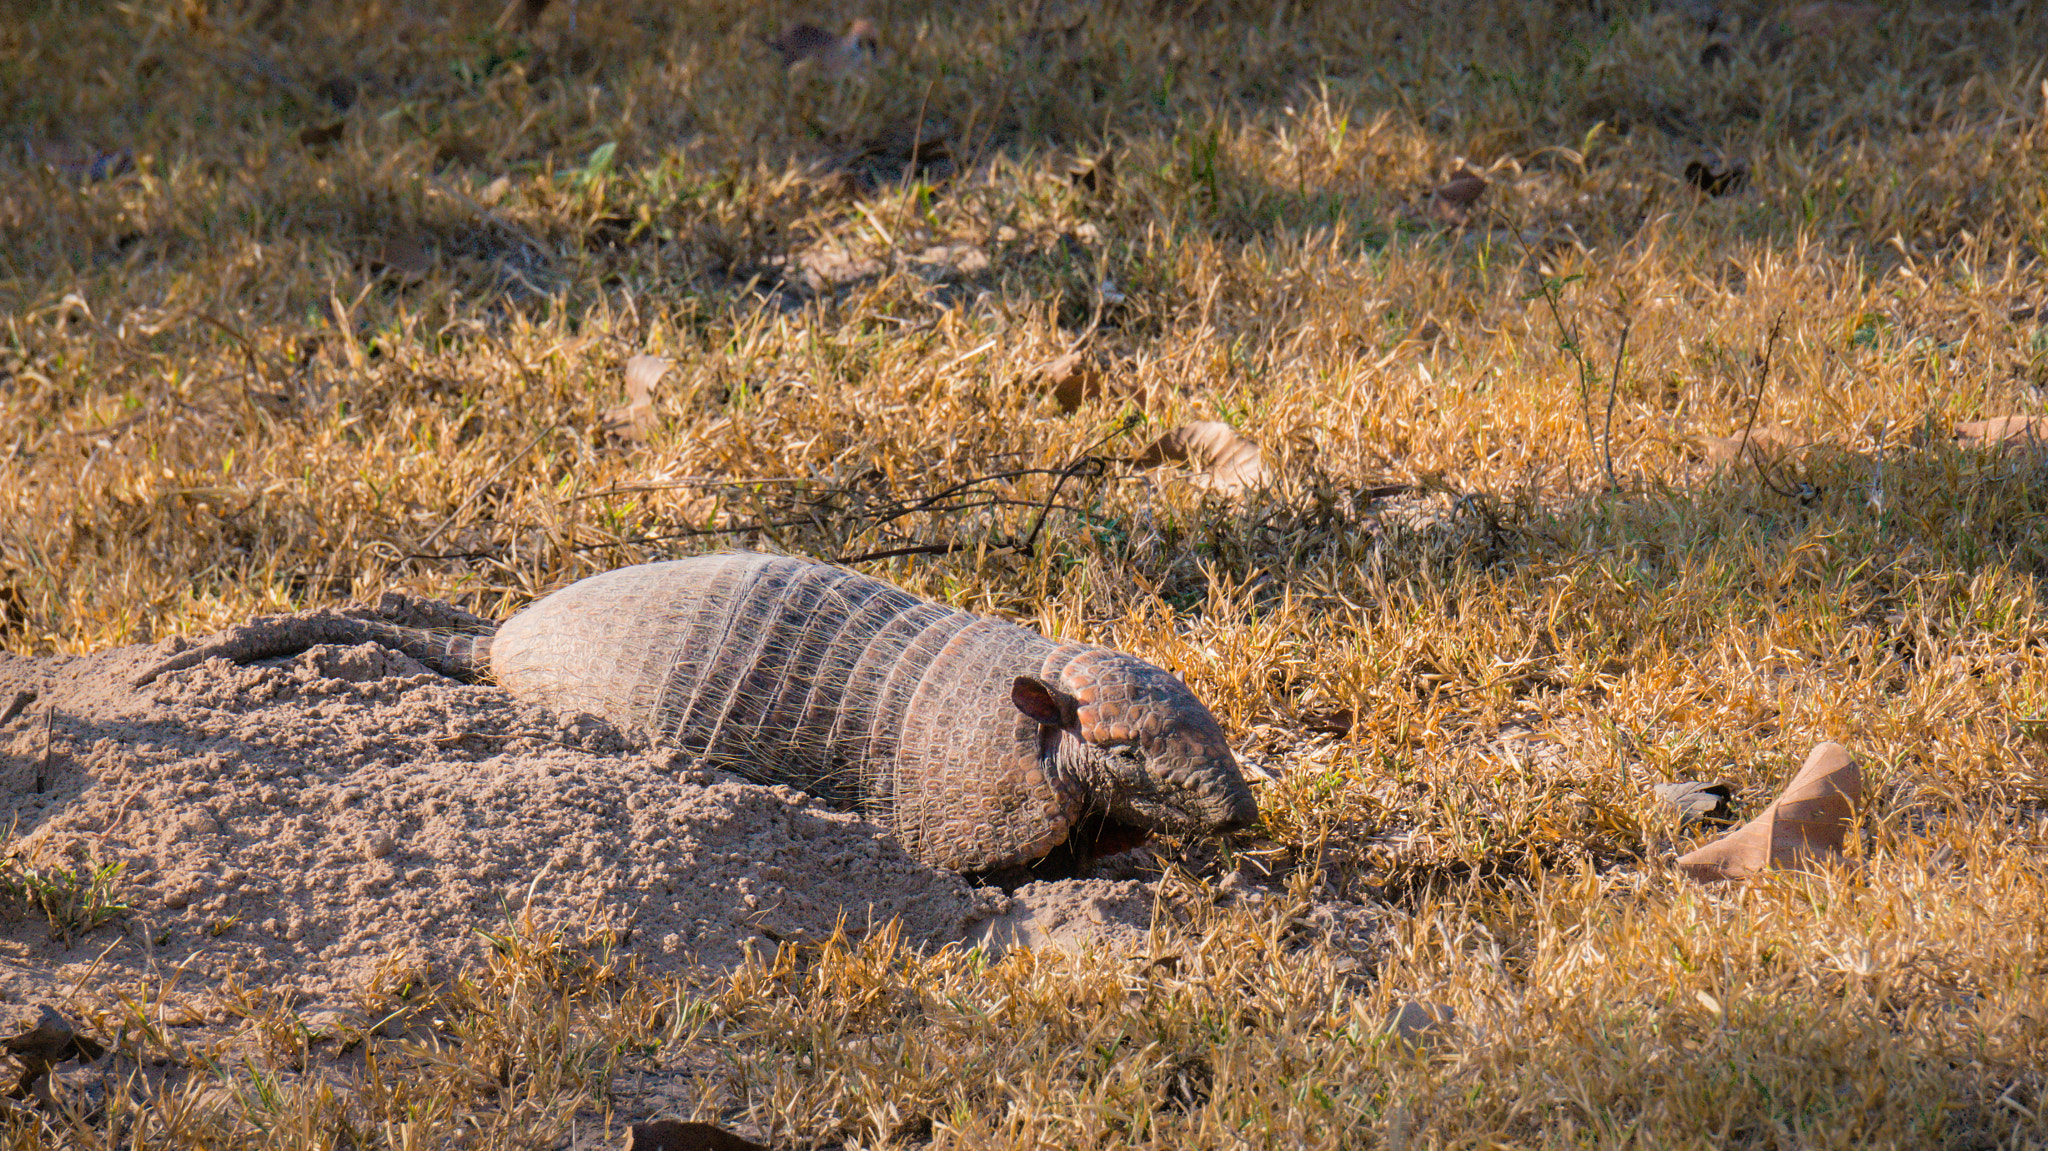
<point x="792" y="672"/>
<point x="462" y="655"/>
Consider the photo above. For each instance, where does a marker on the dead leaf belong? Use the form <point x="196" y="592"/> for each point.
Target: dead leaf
<point x="1757" y="444"/>
<point x="1810" y="819"/>
<point x="1075" y="379"/>
<point x="1717" y="182"/>
<point x="1071" y="380"/>
<point x="320" y="137"/>
<point x="1453" y="200"/>
<point x="632" y="421"/>
<point x="2004" y="432"/>
<point x="405" y="256"/>
<point x="675" y="1135"/>
<point x="1338" y="722"/>
<point x="1696" y="801"/>
<point x="1225" y="461"/>
<point x="834" y="57"/>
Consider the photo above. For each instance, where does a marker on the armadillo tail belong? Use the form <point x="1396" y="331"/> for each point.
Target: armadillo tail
<point x="459" y="655"/>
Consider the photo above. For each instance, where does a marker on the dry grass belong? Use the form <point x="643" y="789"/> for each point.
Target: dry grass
<point x="253" y="374"/>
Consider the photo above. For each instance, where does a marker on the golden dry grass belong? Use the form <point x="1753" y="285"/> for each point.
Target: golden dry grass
<point x="253" y="374"/>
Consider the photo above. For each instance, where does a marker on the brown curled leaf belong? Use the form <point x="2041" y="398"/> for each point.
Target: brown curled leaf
<point x="2004" y="432"/>
<point x="1453" y="200"/>
<point x="631" y="421"/>
<point x="1224" y="461"/>
<point x="1336" y="721"/>
<point x="1072" y="380"/>
<point x="1809" y="821"/>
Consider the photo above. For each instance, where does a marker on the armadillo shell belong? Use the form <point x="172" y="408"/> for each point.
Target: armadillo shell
<point x="791" y="672"/>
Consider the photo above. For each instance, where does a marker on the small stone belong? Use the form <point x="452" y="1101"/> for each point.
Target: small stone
<point x="378" y="844"/>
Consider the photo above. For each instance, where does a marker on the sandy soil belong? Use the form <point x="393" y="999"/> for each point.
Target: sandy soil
<point x="311" y="824"/>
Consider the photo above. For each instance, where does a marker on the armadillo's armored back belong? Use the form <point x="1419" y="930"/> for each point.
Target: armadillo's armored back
<point x="799" y="673"/>
<point x="779" y="669"/>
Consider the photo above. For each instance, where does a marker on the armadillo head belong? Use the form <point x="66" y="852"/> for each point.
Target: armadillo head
<point x="1146" y="751"/>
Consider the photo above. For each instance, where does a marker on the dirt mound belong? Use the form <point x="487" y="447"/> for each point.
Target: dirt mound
<point x="311" y="822"/>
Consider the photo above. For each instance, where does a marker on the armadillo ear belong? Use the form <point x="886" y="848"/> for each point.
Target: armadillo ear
<point x="1045" y="704"/>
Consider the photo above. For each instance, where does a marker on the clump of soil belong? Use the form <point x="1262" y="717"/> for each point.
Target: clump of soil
<point x="308" y="824"/>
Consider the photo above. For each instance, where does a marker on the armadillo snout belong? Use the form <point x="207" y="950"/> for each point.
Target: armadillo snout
<point x="1212" y="792"/>
<point x="1237" y="811"/>
<point x="1162" y="757"/>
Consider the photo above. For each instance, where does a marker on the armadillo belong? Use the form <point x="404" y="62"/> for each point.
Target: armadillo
<point x="980" y="744"/>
